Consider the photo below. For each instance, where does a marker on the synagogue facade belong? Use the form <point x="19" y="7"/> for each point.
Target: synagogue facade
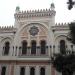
<point x="26" y="48"/>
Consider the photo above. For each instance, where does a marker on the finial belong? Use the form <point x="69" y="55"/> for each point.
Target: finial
<point x="52" y="6"/>
<point x="17" y="9"/>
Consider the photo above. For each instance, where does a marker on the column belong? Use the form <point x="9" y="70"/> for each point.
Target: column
<point x="47" y="69"/>
<point x="7" y="69"/>
<point x="28" y="51"/>
<point x="16" y="69"/>
<point x="11" y="51"/>
<point x="37" y="70"/>
<point x="15" y="49"/>
<point x="27" y="70"/>
<point x="37" y="50"/>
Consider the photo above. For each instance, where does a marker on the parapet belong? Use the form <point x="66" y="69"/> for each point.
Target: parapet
<point x="35" y="13"/>
<point x="7" y="29"/>
<point x="61" y="26"/>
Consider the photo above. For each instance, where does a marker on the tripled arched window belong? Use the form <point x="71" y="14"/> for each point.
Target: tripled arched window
<point x="43" y="46"/>
<point x="24" y="47"/>
<point x="32" y="71"/>
<point x="6" y="48"/>
<point x="62" y="46"/>
<point x="34" y="47"/>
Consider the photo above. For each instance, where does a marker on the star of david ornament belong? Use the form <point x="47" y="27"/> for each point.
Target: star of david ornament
<point x="34" y="30"/>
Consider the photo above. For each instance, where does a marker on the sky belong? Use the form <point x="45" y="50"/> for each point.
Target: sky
<point x="7" y="10"/>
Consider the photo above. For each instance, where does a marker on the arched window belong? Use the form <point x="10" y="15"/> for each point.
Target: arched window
<point x="3" y="71"/>
<point x="33" y="47"/>
<point x="6" y="48"/>
<point x="42" y="71"/>
<point x="43" y="47"/>
<point x="24" y="47"/>
<point x="32" y="71"/>
<point x="22" y="71"/>
<point x="62" y="46"/>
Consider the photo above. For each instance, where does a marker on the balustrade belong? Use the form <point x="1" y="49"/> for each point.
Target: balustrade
<point x="38" y="52"/>
<point x="49" y="50"/>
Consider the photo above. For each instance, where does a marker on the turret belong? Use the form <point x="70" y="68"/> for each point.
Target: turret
<point x="17" y="9"/>
<point x="52" y="6"/>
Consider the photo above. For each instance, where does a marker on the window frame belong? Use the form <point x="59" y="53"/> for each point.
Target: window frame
<point x="22" y="70"/>
<point x="33" y="47"/>
<point x="43" y="47"/>
<point x="24" y="47"/>
<point x="6" y="48"/>
<point x="3" y="72"/>
<point x="33" y="70"/>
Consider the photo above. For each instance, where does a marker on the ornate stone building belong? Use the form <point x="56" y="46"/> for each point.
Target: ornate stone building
<point x="27" y="47"/>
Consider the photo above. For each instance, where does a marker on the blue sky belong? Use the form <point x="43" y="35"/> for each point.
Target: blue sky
<point x="7" y="9"/>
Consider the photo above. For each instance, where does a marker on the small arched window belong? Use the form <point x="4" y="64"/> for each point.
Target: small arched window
<point x="42" y="71"/>
<point x="3" y="71"/>
<point x="22" y="71"/>
<point x="32" y="71"/>
<point x="24" y="47"/>
<point x="33" y="47"/>
<point x="6" y="48"/>
<point x="62" y="47"/>
<point x="43" y="47"/>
